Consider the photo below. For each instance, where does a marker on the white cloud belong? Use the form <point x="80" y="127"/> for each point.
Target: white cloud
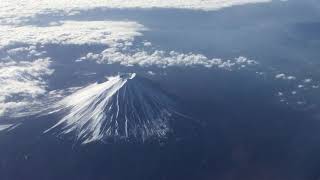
<point x="285" y="77"/>
<point x="280" y="93"/>
<point x="71" y="32"/>
<point x="151" y="73"/>
<point x="117" y="35"/>
<point x="21" y="83"/>
<point x="147" y="44"/>
<point x="307" y="80"/>
<point x="14" y="11"/>
<point x="164" y="59"/>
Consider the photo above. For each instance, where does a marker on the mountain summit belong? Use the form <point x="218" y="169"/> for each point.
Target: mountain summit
<point x="124" y="106"/>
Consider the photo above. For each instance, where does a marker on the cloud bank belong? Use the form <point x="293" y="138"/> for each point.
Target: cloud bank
<point x="163" y="59"/>
<point x="71" y="32"/>
<point x="118" y="37"/>
<point x="21" y="83"/>
<point x="15" y="11"/>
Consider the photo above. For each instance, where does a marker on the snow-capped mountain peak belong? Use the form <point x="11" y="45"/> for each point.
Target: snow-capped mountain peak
<point x="124" y="106"/>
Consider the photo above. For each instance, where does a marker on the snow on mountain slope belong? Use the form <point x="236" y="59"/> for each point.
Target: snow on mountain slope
<point x="8" y="127"/>
<point x="125" y="106"/>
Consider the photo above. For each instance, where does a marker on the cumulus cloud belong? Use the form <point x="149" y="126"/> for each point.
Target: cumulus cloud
<point x="21" y="83"/>
<point x="285" y="77"/>
<point x="308" y="80"/>
<point x="164" y="59"/>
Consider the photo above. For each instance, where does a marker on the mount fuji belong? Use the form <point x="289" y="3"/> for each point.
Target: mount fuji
<point x="125" y="106"/>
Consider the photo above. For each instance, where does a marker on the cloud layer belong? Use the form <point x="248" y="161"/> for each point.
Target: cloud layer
<point x="15" y="11"/>
<point x="71" y="32"/>
<point x="21" y="83"/>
